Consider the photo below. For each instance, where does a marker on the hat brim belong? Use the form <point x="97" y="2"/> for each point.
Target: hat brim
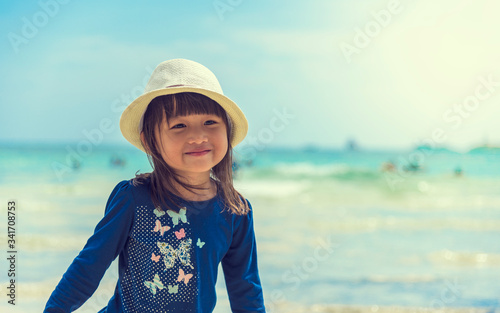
<point x="131" y="116"/>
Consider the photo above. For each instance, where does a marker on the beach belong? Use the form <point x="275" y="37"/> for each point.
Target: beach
<point x="334" y="232"/>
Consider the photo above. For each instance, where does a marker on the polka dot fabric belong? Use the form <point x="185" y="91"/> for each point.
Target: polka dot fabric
<point x="174" y="267"/>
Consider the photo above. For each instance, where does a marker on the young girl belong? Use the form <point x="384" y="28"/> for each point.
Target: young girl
<point x="172" y="227"/>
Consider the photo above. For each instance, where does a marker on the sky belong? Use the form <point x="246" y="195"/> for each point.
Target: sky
<point x="387" y="74"/>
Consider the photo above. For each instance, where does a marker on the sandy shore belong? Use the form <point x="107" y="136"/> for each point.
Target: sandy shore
<point x="297" y="308"/>
<point x="32" y="297"/>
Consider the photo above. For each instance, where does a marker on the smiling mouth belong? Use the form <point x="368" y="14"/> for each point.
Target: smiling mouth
<point x="198" y="153"/>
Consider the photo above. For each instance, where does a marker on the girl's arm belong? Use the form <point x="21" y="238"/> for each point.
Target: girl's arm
<point x="110" y="235"/>
<point x="240" y="268"/>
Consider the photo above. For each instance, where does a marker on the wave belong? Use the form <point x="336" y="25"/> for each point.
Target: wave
<point x="457" y="258"/>
<point x="341" y="172"/>
<point x="344" y="185"/>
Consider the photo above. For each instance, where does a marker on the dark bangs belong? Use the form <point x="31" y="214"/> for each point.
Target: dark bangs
<point x="181" y="104"/>
<point x="187" y="103"/>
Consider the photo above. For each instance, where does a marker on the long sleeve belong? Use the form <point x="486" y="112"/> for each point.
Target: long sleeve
<point x="110" y="236"/>
<point x="241" y="270"/>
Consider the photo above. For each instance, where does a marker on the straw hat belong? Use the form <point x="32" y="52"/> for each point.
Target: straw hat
<point x="176" y="76"/>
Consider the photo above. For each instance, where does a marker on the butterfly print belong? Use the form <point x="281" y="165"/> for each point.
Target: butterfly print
<point x="155" y="258"/>
<point x="158" y="213"/>
<point x="173" y="289"/>
<point x="154" y="285"/>
<point x="178" y="216"/>
<point x="161" y="229"/>
<point x="185" y="277"/>
<point x="180" y="234"/>
<point x="170" y="254"/>
<point x="200" y="243"/>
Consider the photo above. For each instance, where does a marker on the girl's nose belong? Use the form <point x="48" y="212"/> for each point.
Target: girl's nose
<point x="197" y="137"/>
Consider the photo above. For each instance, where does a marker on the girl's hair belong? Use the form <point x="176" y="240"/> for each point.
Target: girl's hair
<point x="163" y="176"/>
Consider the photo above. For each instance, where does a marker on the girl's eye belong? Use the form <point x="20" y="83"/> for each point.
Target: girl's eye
<point x="210" y="122"/>
<point x="179" y="126"/>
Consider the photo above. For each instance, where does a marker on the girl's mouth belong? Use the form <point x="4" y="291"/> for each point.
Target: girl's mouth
<point x="198" y="153"/>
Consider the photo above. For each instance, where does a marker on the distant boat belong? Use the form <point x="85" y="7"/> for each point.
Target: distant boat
<point x="117" y="161"/>
<point x="352" y="145"/>
<point x="433" y="149"/>
<point x="311" y="149"/>
<point x="486" y="149"/>
<point x="412" y="167"/>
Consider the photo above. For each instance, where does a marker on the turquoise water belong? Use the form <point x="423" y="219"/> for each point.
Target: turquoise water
<point x="332" y="227"/>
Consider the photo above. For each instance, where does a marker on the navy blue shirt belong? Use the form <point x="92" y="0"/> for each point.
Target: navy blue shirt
<point x="168" y="261"/>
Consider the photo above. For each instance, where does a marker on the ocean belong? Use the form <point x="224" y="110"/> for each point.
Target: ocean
<point x="335" y="228"/>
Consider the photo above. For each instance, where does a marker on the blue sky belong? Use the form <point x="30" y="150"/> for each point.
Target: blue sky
<point x="389" y="74"/>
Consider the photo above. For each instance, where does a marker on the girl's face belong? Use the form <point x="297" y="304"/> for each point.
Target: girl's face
<point x="193" y="144"/>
